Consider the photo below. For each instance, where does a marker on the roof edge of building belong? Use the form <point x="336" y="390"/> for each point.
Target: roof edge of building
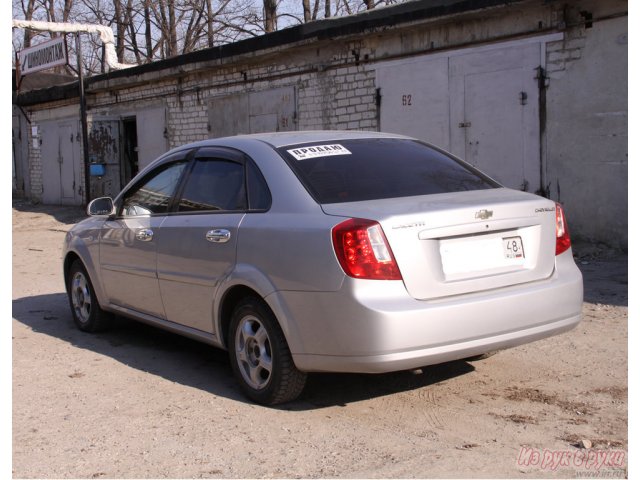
<point x="322" y="29"/>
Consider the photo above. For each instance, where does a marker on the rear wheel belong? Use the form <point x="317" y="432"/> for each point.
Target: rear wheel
<point x="260" y="357"/>
<point x="87" y="314"/>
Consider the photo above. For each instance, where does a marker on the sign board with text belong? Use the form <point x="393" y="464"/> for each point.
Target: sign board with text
<point x="42" y="56"/>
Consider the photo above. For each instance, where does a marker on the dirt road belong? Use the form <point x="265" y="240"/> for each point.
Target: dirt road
<point x="140" y="402"/>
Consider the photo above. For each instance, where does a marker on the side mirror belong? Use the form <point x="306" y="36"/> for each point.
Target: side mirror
<point x="100" y="206"/>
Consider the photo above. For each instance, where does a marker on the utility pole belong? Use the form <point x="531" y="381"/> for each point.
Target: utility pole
<point x="83" y="121"/>
<point x="106" y="35"/>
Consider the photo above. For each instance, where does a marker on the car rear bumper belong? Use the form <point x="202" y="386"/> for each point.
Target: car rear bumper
<point x="374" y="326"/>
<point x="391" y="362"/>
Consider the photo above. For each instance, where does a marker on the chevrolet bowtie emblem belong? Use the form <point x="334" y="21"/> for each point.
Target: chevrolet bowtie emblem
<point x="484" y="214"/>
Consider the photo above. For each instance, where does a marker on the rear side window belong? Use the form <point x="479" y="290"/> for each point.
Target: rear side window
<point x="214" y="184"/>
<point x="368" y="169"/>
<point x="259" y="195"/>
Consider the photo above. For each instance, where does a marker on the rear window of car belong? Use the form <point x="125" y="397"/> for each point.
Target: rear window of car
<point x="368" y="169"/>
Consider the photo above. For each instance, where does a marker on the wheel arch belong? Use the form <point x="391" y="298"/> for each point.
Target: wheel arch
<point x="71" y="256"/>
<point x="231" y="298"/>
<point x="236" y="293"/>
<point x="68" y="261"/>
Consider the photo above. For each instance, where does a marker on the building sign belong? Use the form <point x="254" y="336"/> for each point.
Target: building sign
<point x="42" y="56"/>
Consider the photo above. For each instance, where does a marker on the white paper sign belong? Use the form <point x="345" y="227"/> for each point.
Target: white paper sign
<point x="305" y="153"/>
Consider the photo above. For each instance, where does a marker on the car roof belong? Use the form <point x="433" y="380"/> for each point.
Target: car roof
<point x="282" y="139"/>
<point x="279" y="139"/>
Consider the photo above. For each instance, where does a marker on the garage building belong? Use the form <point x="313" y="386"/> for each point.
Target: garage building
<point x="532" y="92"/>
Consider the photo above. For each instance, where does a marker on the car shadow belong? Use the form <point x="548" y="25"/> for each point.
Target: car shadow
<point x="339" y="389"/>
<point x="195" y="364"/>
<point x="605" y="280"/>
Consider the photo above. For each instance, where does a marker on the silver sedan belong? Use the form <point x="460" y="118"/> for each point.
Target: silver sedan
<point x="324" y="251"/>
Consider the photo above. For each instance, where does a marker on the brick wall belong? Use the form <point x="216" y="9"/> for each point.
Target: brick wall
<point x="335" y="86"/>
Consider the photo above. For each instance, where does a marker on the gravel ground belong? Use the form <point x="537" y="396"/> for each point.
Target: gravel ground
<point x="137" y="402"/>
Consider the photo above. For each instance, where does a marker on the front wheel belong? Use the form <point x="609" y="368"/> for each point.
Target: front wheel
<point x="260" y="357"/>
<point x="87" y="314"/>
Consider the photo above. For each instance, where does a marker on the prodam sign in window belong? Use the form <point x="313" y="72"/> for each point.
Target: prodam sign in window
<point x="318" y="151"/>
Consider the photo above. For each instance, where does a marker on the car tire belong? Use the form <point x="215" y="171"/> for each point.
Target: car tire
<point x="87" y="314"/>
<point x="260" y="357"/>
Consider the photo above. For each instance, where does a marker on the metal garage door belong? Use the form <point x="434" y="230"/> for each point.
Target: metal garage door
<point x="271" y="110"/>
<point x="481" y="104"/>
<point x="151" y="124"/>
<point x="61" y="155"/>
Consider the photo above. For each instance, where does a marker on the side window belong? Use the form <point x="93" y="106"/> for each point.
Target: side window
<point x="214" y="184"/>
<point x="259" y="195"/>
<point x="154" y="195"/>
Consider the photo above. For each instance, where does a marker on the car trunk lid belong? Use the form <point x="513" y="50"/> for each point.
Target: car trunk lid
<point x="464" y="242"/>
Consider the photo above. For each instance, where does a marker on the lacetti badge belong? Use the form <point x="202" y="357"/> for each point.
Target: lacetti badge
<point x="42" y="56"/>
<point x="315" y="151"/>
<point x="484" y="214"/>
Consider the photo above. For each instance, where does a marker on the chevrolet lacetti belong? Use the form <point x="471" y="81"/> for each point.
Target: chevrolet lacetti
<point x="324" y="252"/>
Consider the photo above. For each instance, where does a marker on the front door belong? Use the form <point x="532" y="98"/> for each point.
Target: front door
<point x="128" y="263"/>
<point x="129" y="243"/>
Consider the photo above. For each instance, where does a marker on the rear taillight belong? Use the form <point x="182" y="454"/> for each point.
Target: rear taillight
<point x="563" y="242"/>
<point x="363" y="251"/>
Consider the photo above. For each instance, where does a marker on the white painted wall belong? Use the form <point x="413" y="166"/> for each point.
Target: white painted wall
<point x="587" y="131"/>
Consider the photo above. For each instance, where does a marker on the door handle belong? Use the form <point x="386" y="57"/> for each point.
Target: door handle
<point x="144" y="235"/>
<point x="219" y="235"/>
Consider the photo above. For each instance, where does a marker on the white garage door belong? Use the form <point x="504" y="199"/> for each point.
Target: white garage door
<point x="480" y="104"/>
<point x="151" y="126"/>
<point x="61" y="156"/>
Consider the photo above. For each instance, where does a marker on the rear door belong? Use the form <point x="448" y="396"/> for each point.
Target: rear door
<point x="197" y="247"/>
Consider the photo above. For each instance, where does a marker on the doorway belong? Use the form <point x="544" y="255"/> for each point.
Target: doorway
<point x="129" y="166"/>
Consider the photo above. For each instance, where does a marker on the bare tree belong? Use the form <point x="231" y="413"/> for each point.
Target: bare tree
<point x="270" y="15"/>
<point x="119" y="20"/>
<point x="149" y="30"/>
<point x="27" y="10"/>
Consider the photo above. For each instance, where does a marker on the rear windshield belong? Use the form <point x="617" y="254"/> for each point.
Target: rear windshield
<point x="367" y="169"/>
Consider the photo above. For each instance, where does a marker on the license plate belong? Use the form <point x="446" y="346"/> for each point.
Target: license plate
<point x="512" y="247"/>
